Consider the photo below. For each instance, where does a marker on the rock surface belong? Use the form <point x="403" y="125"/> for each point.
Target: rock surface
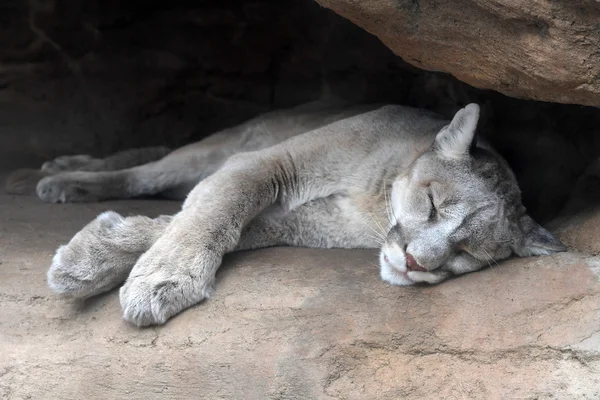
<point x="298" y="324"/>
<point x="543" y="50"/>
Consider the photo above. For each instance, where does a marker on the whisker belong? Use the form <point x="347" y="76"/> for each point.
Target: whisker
<point x="369" y="262"/>
<point x="387" y="203"/>
<point x="385" y="182"/>
<point x="492" y="258"/>
<point x="380" y="237"/>
<point x="488" y="262"/>
<point x="488" y="257"/>
<point x="377" y="229"/>
<point x="376" y="239"/>
<point x="383" y="232"/>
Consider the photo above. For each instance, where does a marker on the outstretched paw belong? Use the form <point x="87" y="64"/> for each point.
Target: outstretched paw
<point x="166" y="280"/>
<point x="63" y="188"/>
<point x="153" y="299"/>
<point x="95" y="260"/>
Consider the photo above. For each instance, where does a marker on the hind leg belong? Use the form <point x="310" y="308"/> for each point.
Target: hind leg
<point x="121" y="160"/>
<point x="24" y="181"/>
<point x="101" y="255"/>
<point x="175" y="174"/>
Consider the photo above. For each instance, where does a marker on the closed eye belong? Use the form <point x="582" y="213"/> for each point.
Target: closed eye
<point x="432" y="210"/>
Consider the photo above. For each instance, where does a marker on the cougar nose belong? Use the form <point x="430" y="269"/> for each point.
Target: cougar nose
<point x="412" y="265"/>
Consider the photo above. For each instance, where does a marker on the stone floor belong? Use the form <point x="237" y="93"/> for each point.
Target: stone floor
<point x="301" y="324"/>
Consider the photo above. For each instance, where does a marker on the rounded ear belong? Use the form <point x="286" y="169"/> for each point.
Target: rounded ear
<point x="536" y="240"/>
<point x="455" y="140"/>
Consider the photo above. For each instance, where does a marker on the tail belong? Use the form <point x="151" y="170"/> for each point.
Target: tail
<point x="23" y="181"/>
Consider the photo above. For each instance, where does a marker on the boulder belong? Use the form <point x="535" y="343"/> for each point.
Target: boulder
<point x="541" y="50"/>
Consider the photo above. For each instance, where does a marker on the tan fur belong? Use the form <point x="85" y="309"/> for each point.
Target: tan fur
<point x="320" y="175"/>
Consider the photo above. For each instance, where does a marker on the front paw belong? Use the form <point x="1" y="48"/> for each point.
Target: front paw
<point x="61" y="189"/>
<point x="97" y="258"/>
<point x="162" y="284"/>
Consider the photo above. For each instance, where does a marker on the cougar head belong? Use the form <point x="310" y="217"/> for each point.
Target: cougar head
<point x="457" y="209"/>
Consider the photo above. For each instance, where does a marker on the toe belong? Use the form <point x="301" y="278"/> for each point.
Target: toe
<point x="150" y="301"/>
<point x="136" y="304"/>
<point x="47" y="191"/>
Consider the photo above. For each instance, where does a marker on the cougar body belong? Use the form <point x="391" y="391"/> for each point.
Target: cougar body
<point x="423" y="190"/>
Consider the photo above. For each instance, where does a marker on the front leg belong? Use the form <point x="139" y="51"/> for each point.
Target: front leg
<point x="319" y="223"/>
<point x="179" y="269"/>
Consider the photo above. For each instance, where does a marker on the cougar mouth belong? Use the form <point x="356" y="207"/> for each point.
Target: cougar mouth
<point x="412" y="265"/>
<point x="400" y="272"/>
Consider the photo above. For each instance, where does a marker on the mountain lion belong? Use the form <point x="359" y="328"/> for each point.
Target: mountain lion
<point x="436" y="201"/>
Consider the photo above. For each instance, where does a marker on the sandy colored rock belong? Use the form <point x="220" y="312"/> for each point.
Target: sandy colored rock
<point x="297" y="324"/>
<point x="543" y="50"/>
<point x="582" y="232"/>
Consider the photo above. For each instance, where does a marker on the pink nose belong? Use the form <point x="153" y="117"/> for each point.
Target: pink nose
<point x="412" y="265"/>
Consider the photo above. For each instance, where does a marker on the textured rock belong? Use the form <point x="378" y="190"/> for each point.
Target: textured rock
<point x="543" y="50"/>
<point x="291" y="323"/>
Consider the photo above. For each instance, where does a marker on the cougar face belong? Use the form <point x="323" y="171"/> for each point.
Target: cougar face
<point x="457" y="209"/>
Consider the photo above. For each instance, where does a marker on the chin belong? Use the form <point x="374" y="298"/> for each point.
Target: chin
<point x="393" y="275"/>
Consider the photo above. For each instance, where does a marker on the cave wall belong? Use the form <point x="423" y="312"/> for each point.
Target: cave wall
<point x="99" y="76"/>
<point x="105" y="75"/>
